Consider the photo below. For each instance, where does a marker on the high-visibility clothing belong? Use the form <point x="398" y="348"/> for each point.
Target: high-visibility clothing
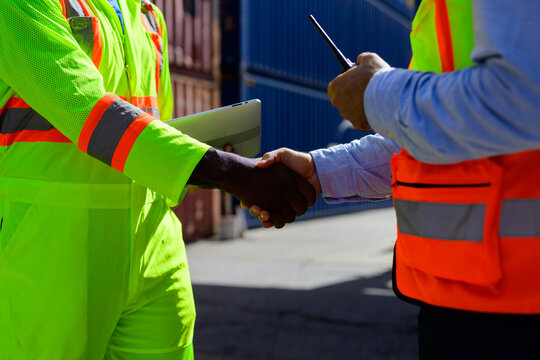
<point x="91" y="256"/>
<point x="468" y="233"/>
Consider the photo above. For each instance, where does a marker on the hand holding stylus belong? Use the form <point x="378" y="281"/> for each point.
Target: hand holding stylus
<point x="346" y="91"/>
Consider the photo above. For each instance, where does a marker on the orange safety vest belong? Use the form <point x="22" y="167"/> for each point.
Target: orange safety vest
<point x="468" y="233"/>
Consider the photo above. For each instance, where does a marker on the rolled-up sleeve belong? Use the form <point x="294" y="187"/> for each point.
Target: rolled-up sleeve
<point x="357" y="171"/>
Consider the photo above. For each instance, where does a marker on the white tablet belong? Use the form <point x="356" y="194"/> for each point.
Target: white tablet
<point x="237" y="125"/>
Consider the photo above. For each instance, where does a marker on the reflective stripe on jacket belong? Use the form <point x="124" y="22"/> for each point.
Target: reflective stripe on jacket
<point x="73" y="79"/>
<point x="468" y="233"/>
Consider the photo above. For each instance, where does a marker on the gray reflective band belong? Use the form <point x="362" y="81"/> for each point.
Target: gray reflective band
<point x="110" y="129"/>
<point x="151" y="19"/>
<point x="441" y="220"/>
<point x="74" y="9"/>
<point x="520" y="218"/>
<point x="152" y="111"/>
<point x="13" y="120"/>
<point x="153" y="24"/>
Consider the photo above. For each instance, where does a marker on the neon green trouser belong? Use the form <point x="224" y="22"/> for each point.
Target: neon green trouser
<point x="91" y="272"/>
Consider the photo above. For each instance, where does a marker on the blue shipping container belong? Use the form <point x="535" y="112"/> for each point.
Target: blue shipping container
<point x="278" y="41"/>
<point x="303" y="119"/>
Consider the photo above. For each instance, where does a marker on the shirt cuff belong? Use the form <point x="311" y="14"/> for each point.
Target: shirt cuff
<point x="338" y="177"/>
<point x="382" y="101"/>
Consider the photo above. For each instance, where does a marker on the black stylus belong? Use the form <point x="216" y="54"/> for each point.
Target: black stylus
<point x="344" y="62"/>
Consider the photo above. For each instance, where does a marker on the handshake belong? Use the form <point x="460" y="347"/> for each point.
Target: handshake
<point x="277" y="188"/>
<point x="284" y="183"/>
<point x="299" y="162"/>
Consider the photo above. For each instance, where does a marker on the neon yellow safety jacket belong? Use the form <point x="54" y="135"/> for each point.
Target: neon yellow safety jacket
<point x="49" y="77"/>
<point x="91" y="259"/>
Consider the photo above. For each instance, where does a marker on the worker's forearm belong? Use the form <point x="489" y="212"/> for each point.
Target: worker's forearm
<point x="357" y="171"/>
<point x="219" y="169"/>
<point x="486" y="110"/>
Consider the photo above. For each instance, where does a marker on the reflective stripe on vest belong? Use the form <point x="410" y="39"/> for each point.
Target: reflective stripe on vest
<point x="20" y="123"/>
<point x="84" y="26"/>
<point x="468" y="233"/>
<point x="443" y="221"/>
<point x="151" y="24"/>
<point x="148" y="104"/>
<point x="110" y="137"/>
<point x="520" y="218"/>
<point x="441" y="36"/>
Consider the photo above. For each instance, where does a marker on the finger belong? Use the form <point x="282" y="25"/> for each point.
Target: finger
<point x="277" y="221"/>
<point x="287" y="210"/>
<point x="334" y="87"/>
<point x="244" y="205"/>
<point x="298" y="204"/>
<point x="267" y="224"/>
<point x="308" y="193"/>
<point x="255" y="210"/>
<point x="363" y="57"/>
<point x="267" y="160"/>
<point x="330" y="90"/>
<point x="264" y="216"/>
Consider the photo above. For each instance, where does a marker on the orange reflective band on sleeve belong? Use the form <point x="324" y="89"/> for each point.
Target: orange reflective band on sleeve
<point x="20" y="126"/>
<point x="63" y="5"/>
<point x="148" y="104"/>
<point x="52" y="135"/>
<point x="145" y="101"/>
<point x="15" y="103"/>
<point x="444" y="36"/>
<point x="93" y="119"/>
<point x="155" y="32"/>
<point x="149" y="7"/>
<point x="128" y="139"/>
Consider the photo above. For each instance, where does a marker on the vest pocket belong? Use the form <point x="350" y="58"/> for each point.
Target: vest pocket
<point x="448" y="218"/>
<point x="85" y="30"/>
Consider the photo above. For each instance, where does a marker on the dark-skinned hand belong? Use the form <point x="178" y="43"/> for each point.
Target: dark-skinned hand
<point x="277" y="189"/>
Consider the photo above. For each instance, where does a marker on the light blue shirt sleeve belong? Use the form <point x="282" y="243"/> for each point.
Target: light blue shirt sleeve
<point x="489" y="109"/>
<point x="357" y="171"/>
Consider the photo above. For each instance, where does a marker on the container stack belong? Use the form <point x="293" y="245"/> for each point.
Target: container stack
<point x="194" y="58"/>
<point x="285" y="63"/>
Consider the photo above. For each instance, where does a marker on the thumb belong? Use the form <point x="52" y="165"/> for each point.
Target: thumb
<point x="268" y="159"/>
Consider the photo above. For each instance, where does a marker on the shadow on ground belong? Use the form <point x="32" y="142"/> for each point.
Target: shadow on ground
<point x="359" y="319"/>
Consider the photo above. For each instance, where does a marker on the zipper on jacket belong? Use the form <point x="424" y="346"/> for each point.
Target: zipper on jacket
<point x="424" y="185"/>
<point x="126" y="65"/>
<point x="118" y="24"/>
<point x="128" y="78"/>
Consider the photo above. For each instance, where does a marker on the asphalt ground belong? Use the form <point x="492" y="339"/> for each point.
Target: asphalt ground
<point x="316" y="289"/>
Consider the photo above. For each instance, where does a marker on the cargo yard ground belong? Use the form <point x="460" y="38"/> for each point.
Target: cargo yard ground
<point x="316" y="289"/>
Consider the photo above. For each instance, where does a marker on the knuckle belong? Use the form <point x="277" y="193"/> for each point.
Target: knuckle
<point x="290" y="217"/>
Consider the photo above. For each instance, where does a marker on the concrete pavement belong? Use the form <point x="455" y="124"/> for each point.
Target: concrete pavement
<point x="315" y="289"/>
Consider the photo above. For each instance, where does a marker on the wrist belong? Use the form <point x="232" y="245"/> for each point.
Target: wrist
<point x="314" y="177"/>
<point x="222" y="170"/>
